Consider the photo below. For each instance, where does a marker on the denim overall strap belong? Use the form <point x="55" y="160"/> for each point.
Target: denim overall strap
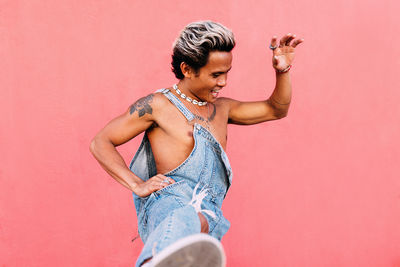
<point x="174" y="100"/>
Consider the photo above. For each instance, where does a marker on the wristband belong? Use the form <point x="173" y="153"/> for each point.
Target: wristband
<point x="285" y="70"/>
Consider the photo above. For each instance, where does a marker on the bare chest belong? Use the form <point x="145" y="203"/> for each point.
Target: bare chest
<point x="172" y="138"/>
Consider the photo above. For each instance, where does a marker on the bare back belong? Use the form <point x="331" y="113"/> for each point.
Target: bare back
<point x="171" y="137"/>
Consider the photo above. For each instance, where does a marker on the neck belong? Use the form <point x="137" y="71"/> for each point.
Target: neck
<point x="184" y="86"/>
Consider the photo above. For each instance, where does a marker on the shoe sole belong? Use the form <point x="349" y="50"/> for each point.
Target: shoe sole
<point x="199" y="250"/>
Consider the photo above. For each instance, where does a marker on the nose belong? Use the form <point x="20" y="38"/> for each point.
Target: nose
<point x="222" y="80"/>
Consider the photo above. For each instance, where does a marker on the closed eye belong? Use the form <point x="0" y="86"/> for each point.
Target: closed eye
<point x="216" y="74"/>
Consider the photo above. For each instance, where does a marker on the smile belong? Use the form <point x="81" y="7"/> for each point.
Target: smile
<point x="214" y="93"/>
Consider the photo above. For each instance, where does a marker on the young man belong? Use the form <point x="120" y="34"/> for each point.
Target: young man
<point x="180" y="174"/>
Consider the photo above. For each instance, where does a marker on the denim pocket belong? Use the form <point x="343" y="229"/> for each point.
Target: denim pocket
<point x="179" y="189"/>
<point x="170" y="187"/>
<point x="175" y="189"/>
<point x="162" y="202"/>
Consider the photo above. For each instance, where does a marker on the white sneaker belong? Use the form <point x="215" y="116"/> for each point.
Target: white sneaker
<point x="199" y="250"/>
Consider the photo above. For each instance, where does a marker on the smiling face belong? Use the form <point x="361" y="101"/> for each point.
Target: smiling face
<point x="211" y="78"/>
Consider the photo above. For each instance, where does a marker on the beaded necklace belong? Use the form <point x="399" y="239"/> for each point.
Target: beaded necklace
<point x="189" y="99"/>
<point x="197" y="113"/>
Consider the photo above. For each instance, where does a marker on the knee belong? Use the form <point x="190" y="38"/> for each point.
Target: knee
<point x="203" y="222"/>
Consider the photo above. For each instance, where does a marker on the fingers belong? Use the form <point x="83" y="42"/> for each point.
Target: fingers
<point x="163" y="178"/>
<point x="163" y="181"/>
<point x="296" y="42"/>
<point x="274" y="40"/>
<point x="153" y="184"/>
<point x="286" y="40"/>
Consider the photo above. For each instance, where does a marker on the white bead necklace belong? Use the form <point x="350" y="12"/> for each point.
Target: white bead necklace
<point x="193" y="101"/>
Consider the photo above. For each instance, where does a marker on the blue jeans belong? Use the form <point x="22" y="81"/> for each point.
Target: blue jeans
<point x="202" y="182"/>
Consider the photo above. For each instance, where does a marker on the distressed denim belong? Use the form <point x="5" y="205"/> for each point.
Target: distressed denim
<point x="202" y="182"/>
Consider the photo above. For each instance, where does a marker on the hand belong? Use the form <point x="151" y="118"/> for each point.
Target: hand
<point x="283" y="55"/>
<point x="155" y="183"/>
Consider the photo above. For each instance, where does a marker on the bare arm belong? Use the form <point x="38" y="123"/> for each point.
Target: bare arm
<point x="139" y="117"/>
<point x="277" y="105"/>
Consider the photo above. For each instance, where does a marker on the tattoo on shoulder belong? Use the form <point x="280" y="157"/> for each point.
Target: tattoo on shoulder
<point x="142" y="106"/>
<point x="213" y="113"/>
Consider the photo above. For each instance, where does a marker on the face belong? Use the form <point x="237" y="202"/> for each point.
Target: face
<point x="211" y="78"/>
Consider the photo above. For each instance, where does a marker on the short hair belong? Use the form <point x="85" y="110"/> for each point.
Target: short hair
<point x="196" y="41"/>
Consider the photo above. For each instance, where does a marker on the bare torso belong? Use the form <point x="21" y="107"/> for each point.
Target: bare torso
<point x="171" y="137"/>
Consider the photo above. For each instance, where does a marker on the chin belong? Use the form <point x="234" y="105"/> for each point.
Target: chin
<point x="211" y="99"/>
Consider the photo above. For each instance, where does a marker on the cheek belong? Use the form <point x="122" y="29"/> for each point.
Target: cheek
<point x="213" y="81"/>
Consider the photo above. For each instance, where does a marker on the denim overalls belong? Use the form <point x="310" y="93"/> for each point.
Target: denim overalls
<point x="202" y="182"/>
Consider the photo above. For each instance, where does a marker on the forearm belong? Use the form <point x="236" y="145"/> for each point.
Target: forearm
<point x="282" y="94"/>
<point x="114" y="164"/>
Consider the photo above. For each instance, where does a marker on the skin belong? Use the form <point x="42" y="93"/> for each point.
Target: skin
<point x="169" y="133"/>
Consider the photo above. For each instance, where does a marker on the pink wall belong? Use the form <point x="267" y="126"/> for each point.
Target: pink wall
<point x="319" y="188"/>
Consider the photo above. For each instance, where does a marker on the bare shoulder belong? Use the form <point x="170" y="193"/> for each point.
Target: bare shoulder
<point x="147" y="105"/>
<point x="225" y="102"/>
<point x="222" y="107"/>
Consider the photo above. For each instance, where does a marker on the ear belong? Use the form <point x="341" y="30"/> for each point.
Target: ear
<point x="186" y="70"/>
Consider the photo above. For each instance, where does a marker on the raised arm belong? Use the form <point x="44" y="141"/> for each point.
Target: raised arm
<point x="277" y="105"/>
<point x="139" y="116"/>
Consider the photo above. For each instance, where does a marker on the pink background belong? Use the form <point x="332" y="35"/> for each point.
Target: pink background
<point x="318" y="188"/>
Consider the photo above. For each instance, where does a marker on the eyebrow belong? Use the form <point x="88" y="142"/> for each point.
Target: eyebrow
<point x="218" y="72"/>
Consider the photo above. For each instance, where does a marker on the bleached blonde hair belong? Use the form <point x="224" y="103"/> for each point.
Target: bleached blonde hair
<point x="196" y="41"/>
